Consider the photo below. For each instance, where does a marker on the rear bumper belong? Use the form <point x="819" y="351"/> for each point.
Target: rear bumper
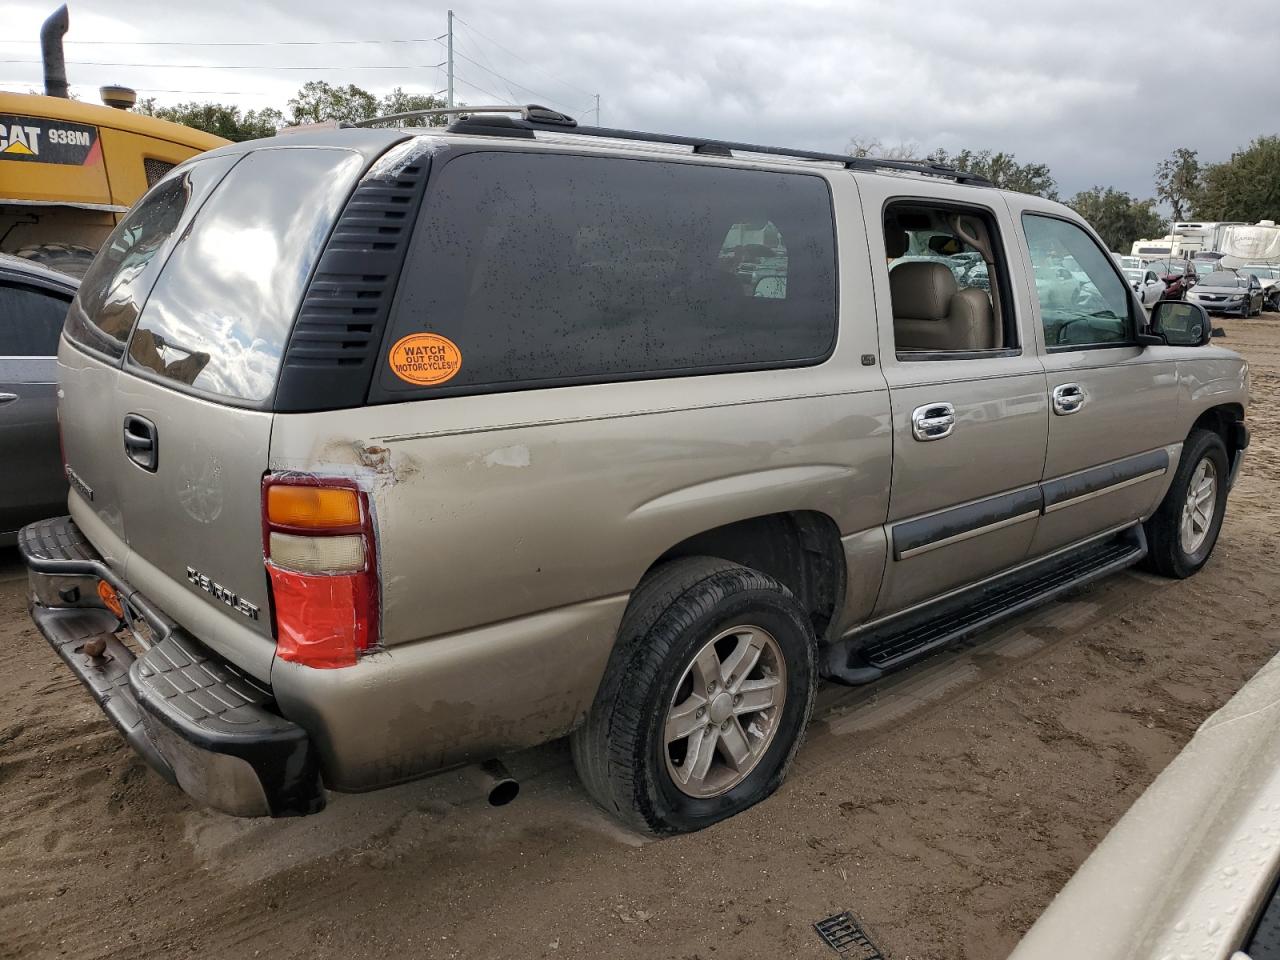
<point x="196" y="720"/>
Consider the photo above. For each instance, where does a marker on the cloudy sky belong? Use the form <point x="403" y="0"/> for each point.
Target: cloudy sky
<point x="1098" y="90"/>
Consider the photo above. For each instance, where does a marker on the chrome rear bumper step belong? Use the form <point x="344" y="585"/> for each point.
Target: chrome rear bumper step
<point x="196" y="719"/>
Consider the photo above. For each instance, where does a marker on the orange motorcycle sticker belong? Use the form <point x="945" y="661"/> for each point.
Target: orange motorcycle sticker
<point x="425" y="359"/>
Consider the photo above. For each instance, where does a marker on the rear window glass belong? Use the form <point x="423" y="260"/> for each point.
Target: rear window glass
<point x="544" y="269"/>
<point x="218" y="318"/>
<point x="116" y="285"/>
<point x="30" y="321"/>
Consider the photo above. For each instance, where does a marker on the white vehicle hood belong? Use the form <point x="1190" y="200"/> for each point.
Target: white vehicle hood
<point x="1187" y="870"/>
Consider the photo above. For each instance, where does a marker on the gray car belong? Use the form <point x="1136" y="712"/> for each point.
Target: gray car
<point x="389" y="453"/>
<point x="33" y="304"/>
<point x="1229" y="293"/>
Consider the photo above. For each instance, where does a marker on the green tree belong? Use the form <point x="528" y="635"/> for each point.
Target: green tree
<point x="1246" y="187"/>
<point x="319" y="101"/>
<point x="398" y="101"/>
<point x="1002" y="169"/>
<point x="221" y="119"/>
<point x="1118" y="217"/>
<point x="1178" y="182"/>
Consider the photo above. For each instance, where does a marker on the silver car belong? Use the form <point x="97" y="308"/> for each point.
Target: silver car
<point x="1228" y="292"/>
<point x="33" y="305"/>
<point x="389" y="454"/>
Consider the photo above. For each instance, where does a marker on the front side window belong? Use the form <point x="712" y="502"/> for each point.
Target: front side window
<point x="1083" y="301"/>
<point x="30" y="321"/>
<point x="546" y="269"/>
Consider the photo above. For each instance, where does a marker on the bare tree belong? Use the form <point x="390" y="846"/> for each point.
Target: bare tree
<point x="902" y="150"/>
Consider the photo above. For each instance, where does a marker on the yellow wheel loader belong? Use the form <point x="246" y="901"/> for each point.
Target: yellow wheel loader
<point x="69" y="170"/>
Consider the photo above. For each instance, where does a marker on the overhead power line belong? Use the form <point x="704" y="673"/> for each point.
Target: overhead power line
<point x="523" y="60"/>
<point x="496" y="98"/>
<point x="240" y="66"/>
<point x="230" y="43"/>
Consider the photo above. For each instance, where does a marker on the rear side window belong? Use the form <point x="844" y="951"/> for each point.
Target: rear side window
<point x="218" y="317"/>
<point x="117" y="283"/>
<point x="30" y="322"/>
<point x="544" y="269"/>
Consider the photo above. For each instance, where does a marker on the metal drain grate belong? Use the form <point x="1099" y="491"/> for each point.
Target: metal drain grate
<point x="843" y="935"/>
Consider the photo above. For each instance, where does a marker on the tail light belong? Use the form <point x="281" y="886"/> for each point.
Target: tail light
<point x="321" y="556"/>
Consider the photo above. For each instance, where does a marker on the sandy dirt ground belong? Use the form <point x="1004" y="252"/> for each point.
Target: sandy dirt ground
<point x="945" y="806"/>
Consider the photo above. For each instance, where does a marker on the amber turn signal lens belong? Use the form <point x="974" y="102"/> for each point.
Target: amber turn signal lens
<point x="314" y="508"/>
<point x="110" y="599"/>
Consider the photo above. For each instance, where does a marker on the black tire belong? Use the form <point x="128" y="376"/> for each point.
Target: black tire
<point x="69" y="258"/>
<point x="619" y="751"/>
<point x="1166" y="555"/>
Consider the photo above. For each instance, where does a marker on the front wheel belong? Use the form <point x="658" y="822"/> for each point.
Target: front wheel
<point x="705" y="701"/>
<point x="1182" y="533"/>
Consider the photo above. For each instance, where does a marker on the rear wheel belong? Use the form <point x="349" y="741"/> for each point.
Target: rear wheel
<point x="1182" y="533"/>
<point x="69" y="258"/>
<point x="705" y="701"/>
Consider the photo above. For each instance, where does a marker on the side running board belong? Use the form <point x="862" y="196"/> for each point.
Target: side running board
<point x="866" y="656"/>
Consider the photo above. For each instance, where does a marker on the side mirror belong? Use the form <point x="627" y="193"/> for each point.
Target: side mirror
<point x="1178" y="323"/>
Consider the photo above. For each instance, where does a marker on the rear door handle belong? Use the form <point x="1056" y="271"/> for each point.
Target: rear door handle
<point x="7" y="398"/>
<point x="1068" y="398"/>
<point x="933" y="421"/>
<point x="141" y="443"/>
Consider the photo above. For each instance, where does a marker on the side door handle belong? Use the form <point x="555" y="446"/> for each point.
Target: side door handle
<point x="933" y="421"/>
<point x="7" y="398"/>
<point x="1068" y="398"/>
<point x="141" y="443"/>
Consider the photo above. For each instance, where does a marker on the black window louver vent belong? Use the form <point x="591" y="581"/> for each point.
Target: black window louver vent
<point x="155" y="169"/>
<point x="334" y="344"/>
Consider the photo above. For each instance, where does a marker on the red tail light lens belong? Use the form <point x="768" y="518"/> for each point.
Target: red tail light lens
<point x="318" y="543"/>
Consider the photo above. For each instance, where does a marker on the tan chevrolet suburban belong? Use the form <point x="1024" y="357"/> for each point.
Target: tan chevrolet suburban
<point x="397" y="450"/>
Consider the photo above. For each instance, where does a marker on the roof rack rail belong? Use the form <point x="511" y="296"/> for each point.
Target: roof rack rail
<point x="491" y="121"/>
<point x="528" y="112"/>
<point x="533" y="118"/>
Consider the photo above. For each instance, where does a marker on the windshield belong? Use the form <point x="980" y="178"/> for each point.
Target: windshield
<point x="1263" y="271"/>
<point x="1162" y="267"/>
<point x="1223" y="279"/>
<point x="1135" y="276"/>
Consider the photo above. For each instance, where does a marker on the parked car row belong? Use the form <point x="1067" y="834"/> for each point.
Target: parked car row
<point x="1245" y="291"/>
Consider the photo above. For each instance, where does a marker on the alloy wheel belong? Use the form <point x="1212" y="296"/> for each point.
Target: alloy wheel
<point x="725" y="711"/>
<point x="1198" y="510"/>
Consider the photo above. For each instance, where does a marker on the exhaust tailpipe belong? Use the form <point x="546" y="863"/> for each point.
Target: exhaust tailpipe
<point x="55" y="65"/>
<point x="499" y="787"/>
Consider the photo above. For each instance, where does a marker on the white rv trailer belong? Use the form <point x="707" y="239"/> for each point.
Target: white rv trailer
<point x="1251" y="243"/>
